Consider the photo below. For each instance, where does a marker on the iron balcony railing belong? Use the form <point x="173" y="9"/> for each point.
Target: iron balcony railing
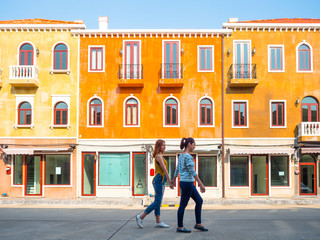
<point x="242" y="71"/>
<point x="171" y="70"/>
<point x="130" y="71"/>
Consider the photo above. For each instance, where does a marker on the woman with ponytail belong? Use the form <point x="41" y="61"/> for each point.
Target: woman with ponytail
<point x="158" y="182"/>
<point x="186" y="169"/>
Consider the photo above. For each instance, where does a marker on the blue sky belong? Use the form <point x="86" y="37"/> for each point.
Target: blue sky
<point x="155" y="14"/>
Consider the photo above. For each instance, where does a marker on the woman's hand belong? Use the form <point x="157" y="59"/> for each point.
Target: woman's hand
<point x="172" y="185"/>
<point x="202" y="188"/>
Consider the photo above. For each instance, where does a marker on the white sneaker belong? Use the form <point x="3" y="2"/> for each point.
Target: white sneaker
<point x="161" y="225"/>
<point x="139" y="221"/>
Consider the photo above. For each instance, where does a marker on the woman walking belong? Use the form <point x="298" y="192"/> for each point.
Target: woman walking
<point x="158" y="182"/>
<point x="186" y="169"/>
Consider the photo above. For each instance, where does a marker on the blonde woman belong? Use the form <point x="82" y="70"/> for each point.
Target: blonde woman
<point x="158" y="182"/>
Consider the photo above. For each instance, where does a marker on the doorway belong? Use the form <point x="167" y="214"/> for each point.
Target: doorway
<point x="88" y="174"/>
<point x="259" y="175"/>
<point x="33" y="183"/>
<point x="139" y="174"/>
<point x="308" y="177"/>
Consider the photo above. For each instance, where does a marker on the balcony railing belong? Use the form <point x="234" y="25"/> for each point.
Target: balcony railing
<point x="171" y="71"/>
<point x="130" y="75"/>
<point x="242" y="75"/>
<point x="23" y="76"/>
<point x="309" y="129"/>
<point x="131" y="71"/>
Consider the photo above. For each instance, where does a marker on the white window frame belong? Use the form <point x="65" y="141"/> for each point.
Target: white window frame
<point x="212" y="57"/>
<point x="125" y="111"/>
<point x="284" y="113"/>
<point x="311" y="57"/>
<point x="269" y="58"/>
<point x="164" y="111"/>
<point x="102" y="112"/>
<point x="199" y="112"/>
<point x="19" y="100"/>
<point x="67" y="71"/>
<point x="103" y="58"/>
<point x="55" y="100"/>
<point x="232" y="115"/>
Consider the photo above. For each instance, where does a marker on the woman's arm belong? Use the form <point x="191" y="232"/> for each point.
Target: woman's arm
<point x="163" y="166"/>
<point x="202" y="188"/>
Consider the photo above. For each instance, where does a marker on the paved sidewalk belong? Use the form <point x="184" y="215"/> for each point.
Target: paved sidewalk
<point x="143" y="202"/>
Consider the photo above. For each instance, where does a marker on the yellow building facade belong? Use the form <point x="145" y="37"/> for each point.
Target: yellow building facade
<point x="39" y="76"/>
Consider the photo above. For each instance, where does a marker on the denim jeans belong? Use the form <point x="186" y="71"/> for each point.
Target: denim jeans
<point x="159" y="187"/>
<point x="189" y="190"/>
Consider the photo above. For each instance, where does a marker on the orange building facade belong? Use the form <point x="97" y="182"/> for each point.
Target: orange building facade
<point x="272" y="108"/>
<point x="137" y="86"/>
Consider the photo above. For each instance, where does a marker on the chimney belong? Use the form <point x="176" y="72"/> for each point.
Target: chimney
<point x="232" y="20"/>
<point x="103" y="23"/>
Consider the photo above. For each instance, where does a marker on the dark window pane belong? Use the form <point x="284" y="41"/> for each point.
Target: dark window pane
<point x="203" y="114"/>
<point x="239" y="171"/>
<point x="64" y="117"/>
<point x="57" y="169"/>
<point x="58" y="117"/>
<point x="279" y="171"/>
<point x="208" y="170"/>
<point x="17" y="175"/>
<point x="174" y="115"/>
<point x="168" y="115"/>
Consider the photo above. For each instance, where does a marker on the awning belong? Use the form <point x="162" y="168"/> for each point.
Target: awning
<point x="310" y="150"/>
<point x="261" y="151"/>
<point x="18" y="151"/>
<point x="31" y="151"/>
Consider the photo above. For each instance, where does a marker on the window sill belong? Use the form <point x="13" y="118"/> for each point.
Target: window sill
<point x="23" y="126"/>
<point x="95" y="126"/>
<point x="60" y="126"/>
<point x="65" y="71"/>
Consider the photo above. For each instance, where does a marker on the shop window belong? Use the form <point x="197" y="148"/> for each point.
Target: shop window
<point x="114" y="169"/>
<point x="279" y="171"/>
<point x="25" y="113"/>
<point x="239" y="171"/>
<point x="17" y="172"/>
<point x="208" y="171"/>
<point x="57" y="169"/>
<point x="60" y="57"/>
<point x="171" y="160"/>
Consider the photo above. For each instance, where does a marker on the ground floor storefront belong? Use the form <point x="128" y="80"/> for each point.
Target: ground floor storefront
<point x="38" y="167"/>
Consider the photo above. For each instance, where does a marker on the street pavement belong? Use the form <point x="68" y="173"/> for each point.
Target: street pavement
<point x="224" y="222"/>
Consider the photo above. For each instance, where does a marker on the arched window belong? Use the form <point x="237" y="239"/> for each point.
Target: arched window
<point x="206" y="112"/>
<point x="25" y="113"/>
<point x="309" y="110"/>
<point x="95" y="117"/>
<point x="26" y="54"/>
<point x="60" y="57"/>
<point x="61" y="114"/>
<point x="171" y="109"/>
<point x="304" y="58"/>
<point x="132" y="112"/>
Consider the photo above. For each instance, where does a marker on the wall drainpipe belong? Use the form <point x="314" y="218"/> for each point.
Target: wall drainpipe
<point x="222" y="114"/>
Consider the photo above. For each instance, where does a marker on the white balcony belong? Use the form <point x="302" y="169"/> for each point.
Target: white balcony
<point x="309" y="131"/>
<point x="23" y="76"/>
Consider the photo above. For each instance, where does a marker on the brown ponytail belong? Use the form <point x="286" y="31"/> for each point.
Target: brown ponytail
<point x="185" y="141"/>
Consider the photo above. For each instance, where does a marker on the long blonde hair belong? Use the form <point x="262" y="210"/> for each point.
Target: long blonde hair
<point x="157" y="147"/>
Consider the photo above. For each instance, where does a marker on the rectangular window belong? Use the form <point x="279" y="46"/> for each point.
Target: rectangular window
<point x="171" y="63"/>
<point x="240" y="114"/>
<point x="17" y="174"/>
<point x="57" y="169"/>
<point x="171" y="160"/>
<point x="279" y="171"/>
<point x="277" y="109"/>
<point x="276" y="58"/>
<point x="208" y="171"/>
<point x="96" y="62"/>
<point x="114" y="169"/>
<point x="132" y="66"/>
<point x="205" y="58"/>
<point x="239" y="171"/>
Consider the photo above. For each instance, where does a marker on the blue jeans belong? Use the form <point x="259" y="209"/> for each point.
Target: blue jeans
<point x="159" y="187"/>
<point x="189" y="190"/>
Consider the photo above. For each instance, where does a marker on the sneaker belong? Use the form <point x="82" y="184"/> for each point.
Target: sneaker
<point x="139" y="221"/>
<point x="161" y="225"/>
